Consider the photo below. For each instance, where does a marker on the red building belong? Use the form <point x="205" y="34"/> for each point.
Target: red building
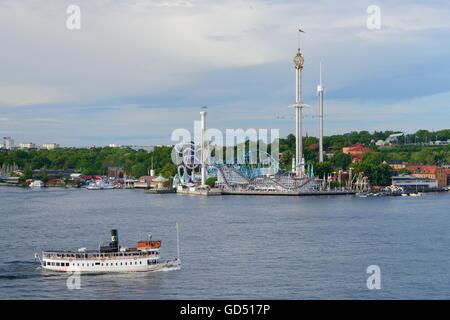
<point x="447" y="171"/>
<point x="115" y="172"/>
<point x="357" y="151"/>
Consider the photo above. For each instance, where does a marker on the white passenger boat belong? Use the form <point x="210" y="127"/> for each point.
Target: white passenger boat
<point x="112" y="258"/>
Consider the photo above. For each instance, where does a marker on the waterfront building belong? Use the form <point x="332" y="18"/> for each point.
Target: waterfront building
<point x="54" y="173"/>
<point x="115" y="172"/>
<point x="409" y="182"/>
<point x="145" y="182"/>
<point x="357" y="151"/>
<point x="431" y="172"/>
<point x="161" y="182"/>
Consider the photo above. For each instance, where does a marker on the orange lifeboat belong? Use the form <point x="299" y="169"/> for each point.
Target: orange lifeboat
<point x="149" y="244"/>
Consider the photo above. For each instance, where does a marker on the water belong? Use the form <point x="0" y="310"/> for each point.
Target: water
<point x="232" y="247"/>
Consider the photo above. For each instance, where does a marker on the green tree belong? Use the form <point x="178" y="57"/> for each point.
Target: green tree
<point x="43" y="175"/>
<point x="169" y="170"/>
<point x="323" y="168"/>
<point x="27" y="174"/>
<point x="211" y="181"/>
<point x="341" y="160"/>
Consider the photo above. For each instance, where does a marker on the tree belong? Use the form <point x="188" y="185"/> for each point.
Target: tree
<point x="322" y="169"/>
<point x="341" y="160"/>
<point x="211" y="181"/>
<point x="372" y="165"/>
<point x="169" y="170"/>
<point x="27" y="174"/>
<point x="43" y="175"/>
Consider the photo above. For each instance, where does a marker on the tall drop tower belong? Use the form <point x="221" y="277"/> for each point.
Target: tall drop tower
<point x="298" y="64"/>
<point x="203" y="146"/>
<point x="320" y="93"/>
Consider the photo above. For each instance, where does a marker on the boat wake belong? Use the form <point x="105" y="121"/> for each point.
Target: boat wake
<point x="169" y="267"/>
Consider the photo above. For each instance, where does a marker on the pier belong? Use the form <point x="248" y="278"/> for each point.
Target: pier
<point x="288" y="193"/>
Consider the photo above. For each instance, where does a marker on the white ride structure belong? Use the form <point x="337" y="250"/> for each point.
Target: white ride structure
<point x="112" y="258"/>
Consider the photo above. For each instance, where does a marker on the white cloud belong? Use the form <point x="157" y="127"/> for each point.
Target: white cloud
<point x="140" y="50"/>
<point x="23" y="95"/>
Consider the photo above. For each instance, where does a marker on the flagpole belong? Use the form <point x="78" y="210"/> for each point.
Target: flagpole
<point x="178" y="242"/>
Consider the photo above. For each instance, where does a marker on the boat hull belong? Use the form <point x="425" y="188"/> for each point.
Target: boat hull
<point x="94" y="267"/>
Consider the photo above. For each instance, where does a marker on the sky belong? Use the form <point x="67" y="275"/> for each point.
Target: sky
<point x="138" y="69"/>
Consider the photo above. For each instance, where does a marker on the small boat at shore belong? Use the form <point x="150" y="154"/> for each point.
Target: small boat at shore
<point x="37" y="184"/>
<point x="100" y="185"/>
<point x="111" y="258"/>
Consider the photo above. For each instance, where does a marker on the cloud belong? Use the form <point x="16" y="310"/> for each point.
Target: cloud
<point x="23" y="95"/>
<point x="147" y="66"/>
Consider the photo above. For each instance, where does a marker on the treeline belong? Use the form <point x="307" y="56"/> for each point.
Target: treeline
<point x="92" y="161"/>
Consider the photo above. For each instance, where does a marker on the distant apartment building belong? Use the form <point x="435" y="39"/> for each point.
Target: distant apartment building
<point x="357" y="151"/>
<point x="50" y="146"/>
<point x="8" y="143"/>
<point x="27" y="146"/>
<point x="430" y="172"/>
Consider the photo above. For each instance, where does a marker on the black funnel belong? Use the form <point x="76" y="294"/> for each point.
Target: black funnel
<point x="114" y="239"/>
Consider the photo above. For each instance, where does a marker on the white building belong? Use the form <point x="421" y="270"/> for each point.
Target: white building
<point x="28" y="145"/>
<point x="50" y="146"/>
<point x="8" y="143"/>
<point x="412" y="183"/>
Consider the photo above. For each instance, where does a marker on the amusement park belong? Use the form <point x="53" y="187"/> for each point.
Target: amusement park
<point x="248" y="169"/>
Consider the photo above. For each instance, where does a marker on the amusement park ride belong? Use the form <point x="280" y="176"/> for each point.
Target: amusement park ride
<point x="266" y="176"/>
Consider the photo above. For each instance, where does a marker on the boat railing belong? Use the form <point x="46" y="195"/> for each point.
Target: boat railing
<point x="103" y="255"/>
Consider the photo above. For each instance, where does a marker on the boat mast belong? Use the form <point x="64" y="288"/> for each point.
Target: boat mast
<point x="178" y="241"/>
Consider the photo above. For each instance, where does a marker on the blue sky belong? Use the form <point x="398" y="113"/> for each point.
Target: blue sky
<point x="139" y="69"/>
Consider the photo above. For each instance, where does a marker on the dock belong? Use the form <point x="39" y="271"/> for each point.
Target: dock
<point x="287" y="193"/>
<point x="161" y="191"/>
<point x="199" y="192"/>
